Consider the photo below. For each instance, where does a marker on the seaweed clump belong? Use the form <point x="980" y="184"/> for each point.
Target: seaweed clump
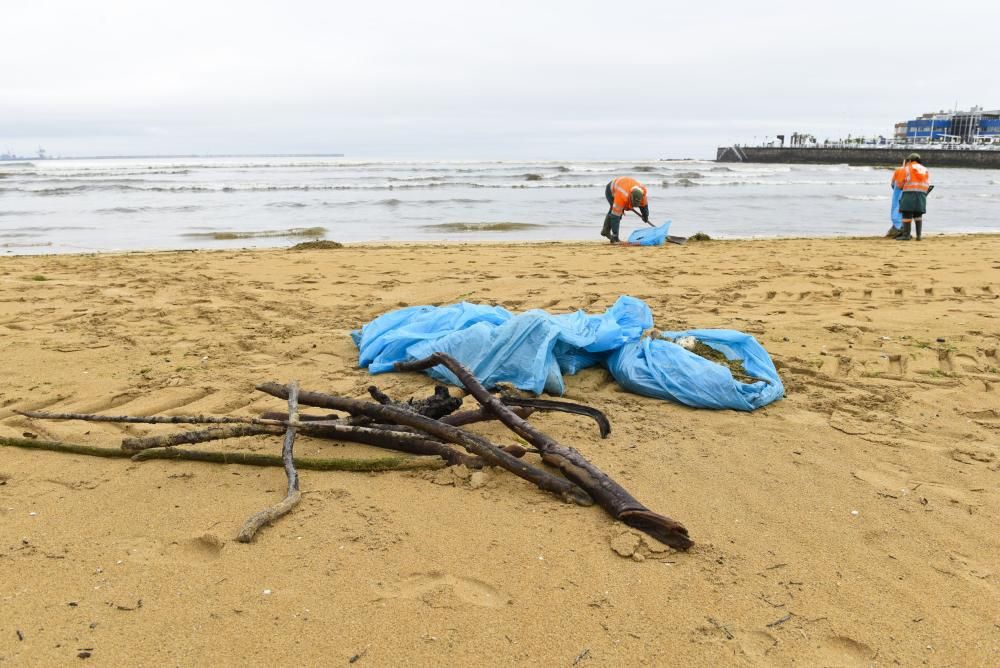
<point x="321" y="244"/>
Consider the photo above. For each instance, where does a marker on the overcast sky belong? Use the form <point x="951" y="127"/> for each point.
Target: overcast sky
<point x="501" y="79"/>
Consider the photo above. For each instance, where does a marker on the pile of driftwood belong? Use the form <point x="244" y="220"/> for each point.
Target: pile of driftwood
<point x="429" y="427"/>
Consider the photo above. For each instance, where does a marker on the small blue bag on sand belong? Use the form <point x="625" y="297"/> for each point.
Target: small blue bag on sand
<point x="650" y="236"/>
<point x="895" y="214"/>
<point x="663" y="369"/>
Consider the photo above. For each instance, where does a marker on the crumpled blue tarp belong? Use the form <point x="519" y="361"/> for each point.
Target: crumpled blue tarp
<point x="895" y="214"/>
<point x="663" y="369"/>
<point x="533" y="350"/>
<point x="650" y="236"/>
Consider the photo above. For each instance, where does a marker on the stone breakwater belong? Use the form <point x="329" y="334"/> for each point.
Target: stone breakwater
<point x="983" y="158"/>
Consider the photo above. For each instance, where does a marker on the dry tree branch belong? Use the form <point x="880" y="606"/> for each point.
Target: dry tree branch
<point x="609" y="494"/>
<point x="293" y="495"/>
<point x="472" y="442"/>
<point x="241" y="458"/>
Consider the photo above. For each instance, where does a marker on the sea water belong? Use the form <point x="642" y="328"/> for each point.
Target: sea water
<point x="60" y="206"/>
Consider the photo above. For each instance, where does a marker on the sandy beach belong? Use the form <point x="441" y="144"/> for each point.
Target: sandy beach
<point x="854" y="522"/>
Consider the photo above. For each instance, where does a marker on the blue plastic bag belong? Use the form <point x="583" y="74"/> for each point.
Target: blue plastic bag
<point x="650" y="236"/>
<point x="895" y="214"/>
<point x="663" y="369"/>
<point x="533" y="350"/>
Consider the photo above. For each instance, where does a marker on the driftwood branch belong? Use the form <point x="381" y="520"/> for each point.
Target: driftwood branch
<point x="193" y="437"/>
<point x="561" y="407"/>
<point x="436" y="406"/>
<point x="293" y="495"/>
<point x="471" y="442"/>
<point x="241" y="458"/>
<point x="459" y="419"/>
<point x="609" y="494"/>
<point x="151" y="419"/>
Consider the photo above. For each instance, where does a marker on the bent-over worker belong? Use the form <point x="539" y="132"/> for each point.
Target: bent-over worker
<point x="623" y="194"/>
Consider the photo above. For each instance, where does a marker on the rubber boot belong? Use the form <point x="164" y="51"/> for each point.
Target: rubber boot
<point x="606" y="230"/>
<point x="919" y="222"/>
<point x="905" y="235"/>
<point x="615" y="226"/>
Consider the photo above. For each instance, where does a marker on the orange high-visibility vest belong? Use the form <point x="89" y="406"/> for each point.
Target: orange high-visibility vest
<point x="916" y="178"/>
<point x="897" y="177"/>
<point x="621" y="189"/>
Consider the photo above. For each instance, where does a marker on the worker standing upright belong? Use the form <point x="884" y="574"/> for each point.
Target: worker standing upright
<point x="915" y="182"/>
<point x="623" y="194"/>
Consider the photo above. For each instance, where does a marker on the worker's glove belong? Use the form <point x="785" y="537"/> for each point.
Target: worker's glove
<point x="930" y="189"/>
<point x="645" y="219"/>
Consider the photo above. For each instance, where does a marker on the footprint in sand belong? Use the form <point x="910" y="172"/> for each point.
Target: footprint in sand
<point x="844" y="651"/>
<point x="424" y="586"/>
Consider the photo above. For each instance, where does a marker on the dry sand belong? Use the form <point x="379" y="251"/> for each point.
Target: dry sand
<point x="855" y="522"/>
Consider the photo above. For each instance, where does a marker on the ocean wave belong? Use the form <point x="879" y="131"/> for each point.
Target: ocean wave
<point x="34" y="244"/>
<point x="864" y="198"/>
<point x="246" y="187"/>
<point x="287" y="205"/>
<point x="22" y="213"/>
<point x="38" y="231"/>
<point x="110" y="173"/>
<point x="481" y="227"/>
<point x="226" y="235"/>
<point x="186" y="208"/>
<point x="411" y="179"/>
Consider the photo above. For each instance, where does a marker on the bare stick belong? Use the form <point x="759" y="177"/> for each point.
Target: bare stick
<point x="303" y="463"/>
<point x="150" y="419"/>
<point x="472" y="442"/>
<point x="241" y="458"/>
<point x="479" y="415"/>
<point x="562" y="407"/>
<point x="459" y="419"/>
<point x="293" y="495"/>
<point x="609" y="494"/>
<point x="193" y="437"/>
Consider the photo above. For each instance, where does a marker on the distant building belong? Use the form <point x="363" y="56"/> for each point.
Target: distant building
<point x="974" y="126"/>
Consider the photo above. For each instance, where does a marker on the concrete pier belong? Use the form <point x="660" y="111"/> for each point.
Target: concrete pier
<point x="889" y="157"/>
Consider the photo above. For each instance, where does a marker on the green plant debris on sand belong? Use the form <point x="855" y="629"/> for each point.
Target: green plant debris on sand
<point x="260" y="234"/>
<point x="712" y="355"/>
<point x="39" y="277"/>
<point x="322" y="244"/>
<point x="699" y="236"/>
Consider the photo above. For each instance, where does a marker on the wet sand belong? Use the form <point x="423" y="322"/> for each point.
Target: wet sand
<point x="855" y="522"/>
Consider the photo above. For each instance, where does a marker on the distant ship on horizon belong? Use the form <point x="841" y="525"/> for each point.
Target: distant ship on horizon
<point x="10" y="155"/>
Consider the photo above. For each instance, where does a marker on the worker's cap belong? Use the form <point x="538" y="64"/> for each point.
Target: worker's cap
<point x="637" y="195"/>
<point x="913" y="156"/>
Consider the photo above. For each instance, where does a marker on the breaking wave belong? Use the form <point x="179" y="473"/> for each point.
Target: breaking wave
<point x="226" y="235"/>
<point x="481" y="227"/>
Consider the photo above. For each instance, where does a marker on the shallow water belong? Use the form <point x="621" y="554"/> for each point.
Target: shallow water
<point x="62" y="206"/>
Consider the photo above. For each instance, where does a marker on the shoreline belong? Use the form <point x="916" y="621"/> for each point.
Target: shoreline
<point x="844" y="524"/>
<point x="363" y="245"/>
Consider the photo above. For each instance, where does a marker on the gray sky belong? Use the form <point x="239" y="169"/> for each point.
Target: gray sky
<point x="509" y="79"/>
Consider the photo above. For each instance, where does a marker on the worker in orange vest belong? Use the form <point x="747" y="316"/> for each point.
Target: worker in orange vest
<point x="914" y="180"/>
<point x="623" y="194"/>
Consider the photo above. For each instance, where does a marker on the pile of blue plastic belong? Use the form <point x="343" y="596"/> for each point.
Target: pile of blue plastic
<point x="533" y="350"/>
